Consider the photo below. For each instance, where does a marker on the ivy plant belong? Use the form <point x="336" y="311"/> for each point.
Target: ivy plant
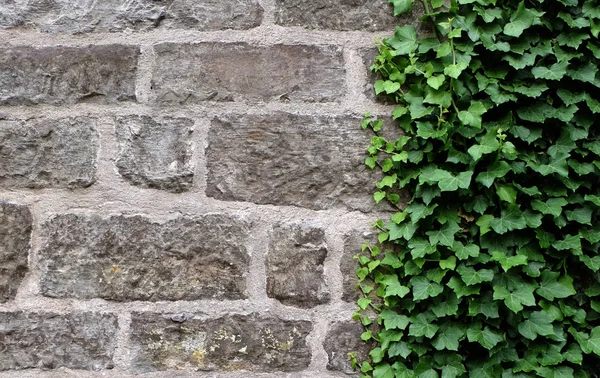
<point x="489" y="267"/>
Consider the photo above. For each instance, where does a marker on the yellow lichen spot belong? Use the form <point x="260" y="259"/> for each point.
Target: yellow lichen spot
<point x="116" y="269"/>
<point x="286" y="346"/>
<point x="199" y="357"/>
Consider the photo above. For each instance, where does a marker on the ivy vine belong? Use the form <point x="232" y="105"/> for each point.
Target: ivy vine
<point x="491" y="267"/>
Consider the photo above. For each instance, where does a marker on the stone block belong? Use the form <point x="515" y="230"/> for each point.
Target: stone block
<point x="364" y="15"/>
<point x="83" y="341"/>
<point x="15" y="242"/>
<point x="295" y="265"/>
<point x="288" y="159"/>
<point x="127" y="258"/>
<point x="68" y="16"/>
<point x="60" y="75"/>
<point x="155" y="153"/>
<point x="342" y="339"/>
<point x="192" y="73"/>
<point x="48" y="153"/>
<point x="233" y="342"/>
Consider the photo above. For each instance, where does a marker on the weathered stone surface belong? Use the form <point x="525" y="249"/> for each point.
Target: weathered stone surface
<point x="288" y="159"/>
<point x="191" y="73"/>
<point x="295" y="265"/>
<point x="368" y="58"/>
<point x="344" y="338"/>
<point x="132" y="258"/>
<point x="348" y="265"/>
<point x="47" y="153"/>
<point x="155" y="153"/>
<point x="117" y="15"/>
<point x="368" y="15"/>
<point x="15" y="239"/>
<point x="66" y="75"/>
<point x="234" y="342"/>
<point x="48" y="341"/>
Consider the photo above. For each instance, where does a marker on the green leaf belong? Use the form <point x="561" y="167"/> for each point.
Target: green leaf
<point x="454" y="70"/>
<point x="572" y="38"/>
<point x="496" y="170"/>
<point x="589" y="344"/>
<point x="436" y="81"/>
<point x="419" y="211"/>
<point x="508" y="262"/>
<point x="520" y="20"/>
<point x="472" y="116"/>
<point x="393" y="320"/>
<point x="551" y="207"/>
<point x="401" y="6"/>
<point x="422" y="288"/>
<point x="507" y="193"/>
<point x="569" y="242"/>
<point x="556" y="72"/>
<point x="470" y="276"/>
<point x="460" y="289"/>
<point x="383" y="370"/>
<point x="555" y="372"/>
<point x="464" y="252"/>
<point x="448" y="338"/>
<point x="538" y="323"/>
<point x="421" y="326"/>
<point x="486" y="337"/>
<point x="581" y="215"/>
<point x="404" y="40"/>
<point x="445" y="235"/>
<point x="551" y="286"/>
<point x="510" y="219"/>
<point x="515" y="299"/>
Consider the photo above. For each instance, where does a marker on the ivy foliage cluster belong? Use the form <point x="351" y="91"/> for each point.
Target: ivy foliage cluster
<point x="491" y="267"/>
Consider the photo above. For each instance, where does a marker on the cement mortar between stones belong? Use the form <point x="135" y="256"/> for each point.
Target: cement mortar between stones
<point x="113" y="195"/>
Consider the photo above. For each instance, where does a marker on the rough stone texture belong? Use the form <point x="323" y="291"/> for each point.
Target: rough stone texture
<point x="117" y="15"/>
<point x="15" y="239"/>
<point x="368" y="57"/>
<point x="48" y="153"/>
<point x="352" y="247"/>
<point x="132" y="258"/>
<point x="155" y="153"/>
<point x="233" y="342"/>
<point x="287" y="159"/>
<point x="369" y="15"/>
<point x="191" y="73"/>
<point x="49" y="341"/>
<point x="66" y="75"/>
<point x="344" y="338"/>
<point x="295" y="265"/>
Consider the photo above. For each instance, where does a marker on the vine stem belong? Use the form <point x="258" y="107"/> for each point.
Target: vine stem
<point x="428" y="14"/>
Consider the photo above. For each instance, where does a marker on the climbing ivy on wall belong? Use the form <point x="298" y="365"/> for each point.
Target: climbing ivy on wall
<point x="490" y="266"/>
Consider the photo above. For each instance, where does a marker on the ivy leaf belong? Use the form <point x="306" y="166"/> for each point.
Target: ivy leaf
<point x="507" y="193"/>
<point x="436" y="81"/>
<point x="556" y="71"/>
<point x="572" y="38"/>
<point x="422" y="288"/>
<point x="401" y="6"/>
<point x="515" y="299"/>
<point x="470" y="276"/>
<point x="510" y="219"/>
<point x="445" y="235"/>
<point x="508" y="262"/>
<point x="454" y="70"/>
<point x="581" y="215"/>
<point x="569" y="242"/>
<point x="419" y="211"/>
<point x="384" y="370"/>
<point x="520" y="20"/>
<point x="553" y="206"/>
<point x="472" y="116"/>
<point x="555" y="372"/>
<point x="552" y="286"/>
<point x="460" y="289"/>
<point x="404" y="40"/>
<point x="538" y="323"/>
<point x="498" y="169"/>
<point x="392" y="320"/>
<point x="464" y="252"/>
<point x="486" y="336"/>
<point x="421" y="326"/>
<point x="589" y="344"/>
<point x="448" y="338"/>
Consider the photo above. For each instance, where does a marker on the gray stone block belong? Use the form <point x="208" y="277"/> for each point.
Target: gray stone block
<point x="192" y="73"/>
<point x="155" y="152"/>
<point x="367" y="15"/>
<point x="123" y="258"/>
<point x="49" y="341"/>
<point x="233" y="342"/>
<point x="15" y="242"/>
<point x="295" y="265"/>
<point x="287" y="159"/>
<point x="344" y="338"/>
<point x="66" y="75"/>
<point x="46" y="153"/>
<point x="68" y="16"/>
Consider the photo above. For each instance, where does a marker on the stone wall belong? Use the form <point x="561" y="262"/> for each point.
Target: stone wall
<point x="182" y="185"/>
